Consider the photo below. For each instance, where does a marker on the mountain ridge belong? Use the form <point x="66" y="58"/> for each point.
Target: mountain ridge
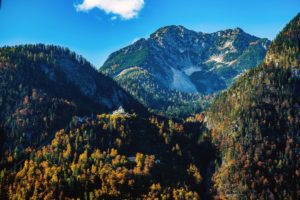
<point x="183" y="62"/>
<point x="163" y="42"/>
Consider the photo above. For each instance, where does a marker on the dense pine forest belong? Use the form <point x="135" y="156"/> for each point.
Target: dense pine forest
<point x="70" y="132"/>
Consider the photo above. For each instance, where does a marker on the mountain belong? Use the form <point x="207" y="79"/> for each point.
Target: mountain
<point x="177" y="61"/>
<point x="189" y="61"/>
<point x="255" y="125"/>
<point x="42" y="88"/>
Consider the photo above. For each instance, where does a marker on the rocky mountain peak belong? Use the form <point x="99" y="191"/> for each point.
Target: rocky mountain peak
<point x="238" y="31"/>
<point x="172" y="35"/>
<point x="189" y="61"/>
<point x="172" y="29"/>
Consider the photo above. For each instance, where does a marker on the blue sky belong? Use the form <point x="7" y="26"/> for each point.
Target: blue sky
<point x="95" y="31"/>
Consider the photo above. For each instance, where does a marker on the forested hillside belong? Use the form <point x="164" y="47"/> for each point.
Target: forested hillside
<point x="42" y="88"/>
<point x="256" y="126"/>
<point x="141" y="84"/>
<point x="285" y="49"/>
<point x="117" y="156"/>
<point x="57" y="143"/>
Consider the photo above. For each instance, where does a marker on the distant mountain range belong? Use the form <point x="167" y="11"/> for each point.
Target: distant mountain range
<point x="188" y="61"/>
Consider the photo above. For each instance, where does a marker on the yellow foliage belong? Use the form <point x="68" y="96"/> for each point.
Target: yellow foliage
<point x="113" y="152"/>
<point x="54" y="179"/>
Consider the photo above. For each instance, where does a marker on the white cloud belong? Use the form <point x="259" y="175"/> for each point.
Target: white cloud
<point x="127" y="9"/>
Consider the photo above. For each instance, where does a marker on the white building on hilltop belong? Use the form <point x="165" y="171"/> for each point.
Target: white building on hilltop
<point x="121" y="111"/>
